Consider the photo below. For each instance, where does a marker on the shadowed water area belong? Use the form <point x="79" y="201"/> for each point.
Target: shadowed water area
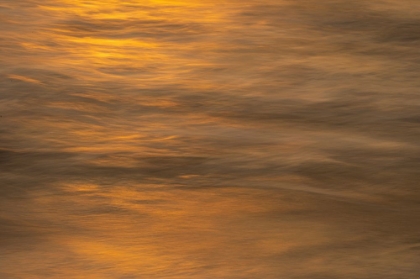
<point x="210" y="139"/>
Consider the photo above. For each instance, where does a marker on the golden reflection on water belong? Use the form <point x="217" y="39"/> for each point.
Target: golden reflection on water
<point x="209" y="139"/>
<point x="163" y="232"/>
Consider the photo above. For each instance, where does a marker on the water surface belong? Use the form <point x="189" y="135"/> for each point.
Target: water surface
<point x="209" y="139"/>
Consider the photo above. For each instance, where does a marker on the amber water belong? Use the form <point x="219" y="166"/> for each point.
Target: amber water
<point x="220" y="139"/>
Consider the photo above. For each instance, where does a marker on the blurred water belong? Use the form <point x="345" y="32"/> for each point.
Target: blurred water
<point x="209" y="139"/>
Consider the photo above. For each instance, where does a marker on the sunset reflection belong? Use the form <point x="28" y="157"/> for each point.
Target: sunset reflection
<point x="209" y="139"/>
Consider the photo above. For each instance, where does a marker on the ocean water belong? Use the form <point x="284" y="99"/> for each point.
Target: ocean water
<point x="206" y="139"/>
